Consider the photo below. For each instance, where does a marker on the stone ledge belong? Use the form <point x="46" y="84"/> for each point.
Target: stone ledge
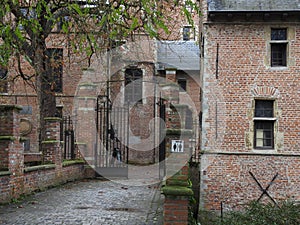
<point x="7" y="138"/>
<point x="10" y="107"/>
<point x="181" y="183"/>
<point x="73" y="162"/>
<point x="177" y="191"/>
<point x="5" y="173"/>
<point x="39" y="167"/>
<point x="51" y="142"/>
<point x="54" y="119"/>
<point x="250" y="154"/>
<point x="184" y="132"/>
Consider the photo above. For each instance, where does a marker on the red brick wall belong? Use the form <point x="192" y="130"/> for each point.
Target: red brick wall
<point x="244" y="74"/>
<point x="227" y="179"/>
<point x="42" y="179"/>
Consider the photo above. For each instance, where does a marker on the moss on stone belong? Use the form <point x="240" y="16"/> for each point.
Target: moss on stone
<point x="177" y="191"/>
<point x="39" y="167"/>
<point x="7" y="138"/>
<point x="50" y="142"/>
<point x="53" y="119"/>
<point x="183" y="132"/>
<point x="72" y="162"/>
<point x="175" y="182"/>
<point x="10" y="107"/>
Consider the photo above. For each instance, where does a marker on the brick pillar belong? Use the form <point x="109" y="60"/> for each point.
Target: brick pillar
<point x="11" y="150"/>
<point x="170" y="90"/>
<point x="171" y="75"/>
<point x="52" y="152"/>
<point x="177" y="190"/>
<point x="86" y="132"/>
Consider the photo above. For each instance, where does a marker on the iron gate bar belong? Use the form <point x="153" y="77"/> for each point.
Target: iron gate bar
<point x="265" y="190"/>
<point x="111" y="152"/>
<point x="162" y="139"/>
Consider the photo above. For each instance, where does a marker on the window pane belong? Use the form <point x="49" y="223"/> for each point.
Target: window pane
<point x="182" y="84"/>
<point x="263" y="108"/>
<point x="278" y="34"/>
<point x="186" y="33"/>
<point x="3" y="80"/>
<point x="278" y="54"/>
<point x="264" y="137"/>
<point x="133" y="82"/>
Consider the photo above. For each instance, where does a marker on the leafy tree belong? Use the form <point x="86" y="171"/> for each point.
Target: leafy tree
<point x="89" y="25"/>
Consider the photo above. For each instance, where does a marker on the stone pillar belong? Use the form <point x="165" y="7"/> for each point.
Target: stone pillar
<point x="52" y="151"/>
<point x="11" y="150"/>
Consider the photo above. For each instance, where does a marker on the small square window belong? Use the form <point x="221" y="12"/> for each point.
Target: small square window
<point x="278" y="34"/>
<point x="188" y="33"/>
<point x="182" y="84"/>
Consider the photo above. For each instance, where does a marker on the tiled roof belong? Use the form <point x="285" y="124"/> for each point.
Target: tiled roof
<point x="182" y="55"/>
<point x="253" y="5"/>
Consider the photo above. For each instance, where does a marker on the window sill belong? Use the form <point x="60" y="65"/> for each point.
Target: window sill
<point x="278" y="67"/>
<point x="265" y="118"/>
<point x="264" y="150"/>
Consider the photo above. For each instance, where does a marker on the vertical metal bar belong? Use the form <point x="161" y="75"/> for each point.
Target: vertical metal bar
<point x="97" y="133"/>
<point x="106" y="132"/>
<point x="216" y="118"/>
<point x="221" y="212"/>
<point x="127" y="135"/>
<point x="162" y="145"/>
<point x="217" y="62"/>
<point x="154" y="124"/>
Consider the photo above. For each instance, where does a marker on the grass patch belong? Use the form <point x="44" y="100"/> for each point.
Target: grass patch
<point x="285" y="213"/>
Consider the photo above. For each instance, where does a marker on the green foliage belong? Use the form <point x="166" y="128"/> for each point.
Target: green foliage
<point x="25" y="25"/>
<point x="286" y="213"/>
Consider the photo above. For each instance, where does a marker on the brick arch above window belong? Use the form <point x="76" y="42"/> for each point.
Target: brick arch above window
<point x="265" y="92"/>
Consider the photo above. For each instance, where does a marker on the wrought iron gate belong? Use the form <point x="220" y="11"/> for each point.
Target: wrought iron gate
<point x="111" y="148"/>
<point x="162" y="141"/>
<point x="68" y="137"/>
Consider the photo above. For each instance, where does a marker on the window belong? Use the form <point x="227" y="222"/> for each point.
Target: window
<point x="188" y="33"/>
<point x="55" y="68"/>
<point x="26" y="110"/>
<point x="134" y="86"/>
<point x="278" y="47"/>
<point x="182" y="84"/>
<point x="3" y="80"/>
<point x="264" y="124"/>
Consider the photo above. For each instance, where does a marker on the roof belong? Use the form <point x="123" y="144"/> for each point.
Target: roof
<point x="253" y="5"/>
<point x="182" y="55"/>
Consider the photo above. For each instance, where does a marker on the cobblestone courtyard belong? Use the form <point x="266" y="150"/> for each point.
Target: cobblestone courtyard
<point x="89" y="202"/>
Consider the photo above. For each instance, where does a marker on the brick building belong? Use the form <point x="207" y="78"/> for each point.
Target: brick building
<point x="77" y="87"/>
<point x="250" y="102"/>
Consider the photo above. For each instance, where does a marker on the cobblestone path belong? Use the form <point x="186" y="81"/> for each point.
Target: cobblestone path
<point x="89" y="202"/>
